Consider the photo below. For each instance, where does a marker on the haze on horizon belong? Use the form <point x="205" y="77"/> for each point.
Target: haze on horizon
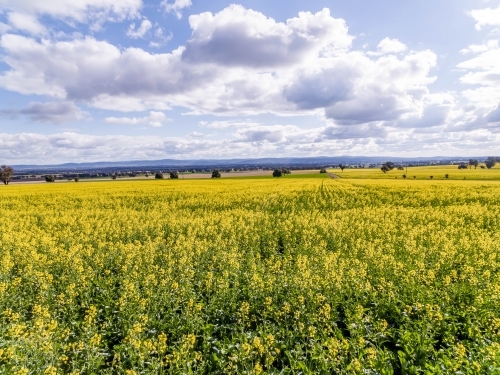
<point x="96" y="80"/>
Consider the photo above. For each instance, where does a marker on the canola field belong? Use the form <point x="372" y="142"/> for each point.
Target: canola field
<point x="251" y="276"/>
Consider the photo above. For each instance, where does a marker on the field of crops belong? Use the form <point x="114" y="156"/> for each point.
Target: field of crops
<point x="257" y="276"/>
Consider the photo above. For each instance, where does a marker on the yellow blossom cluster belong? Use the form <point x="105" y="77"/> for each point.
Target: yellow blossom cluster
<point x="257" y="276"/>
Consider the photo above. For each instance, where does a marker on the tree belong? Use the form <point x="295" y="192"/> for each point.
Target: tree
<point x="322" y="171"/>
<point x="446" y="175"/>
<point x="113" y="176"/>
<point x="342" y="167"/>
<point x="388" y="166"/>
<point x="277" y="173"/>
<point x="462" y="166"/>
<point x="473" y="163"/>
<point x="432" y="177"/>
<point x="77" y="179"/>
<point x="174" y="175"/>
<point x="215" y="173"/>
<point x="159" y="175"/>
<point x="404" y="176"/>
<point x="414" y="177"/>
<point x="50" y="178"/>
<point x="6" y="174"/>
<point x="285" y="171"/>
<point x="490" y="162"/>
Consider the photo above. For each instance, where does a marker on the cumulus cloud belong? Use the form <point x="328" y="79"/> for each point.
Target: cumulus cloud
<point x="195" y="135"/>
<point x="242" y="37"/>
<point x="477" y="48"/>
<point x="486" y="17"/>
<point x="155" y="119"/>
<point x="49" y="112"/>
<point x="26" y="22"/>
<point x="282" y="140"/>
<point x="388" y="45"/>
<point x="494" y="115"/>
<point x="141" y="31"/>
<point x="176" y="7"/>
<point x="237" y="62"/>
<point x="25" y="14"/>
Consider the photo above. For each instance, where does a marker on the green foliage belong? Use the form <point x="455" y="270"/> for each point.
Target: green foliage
<point x="6" y="174"/>
<point x="174" y="175"/>
<point x="216" y="173"/>
<point x="50" y="178"/>
<point x="159" y="176"/>
<point x="277" y="173"/>
<point x="490" y="162"/>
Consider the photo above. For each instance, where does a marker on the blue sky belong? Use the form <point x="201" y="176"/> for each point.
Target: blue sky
<point x="97" y="80"/>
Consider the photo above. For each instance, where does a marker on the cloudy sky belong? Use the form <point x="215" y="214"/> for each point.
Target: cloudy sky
<point x="93" y="80"/>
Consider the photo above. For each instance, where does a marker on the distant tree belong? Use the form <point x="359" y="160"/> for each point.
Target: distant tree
<point x="322" y="171"/>
<point x="432" y="177"/>
<point x="384" y="168"/>
<point x="174" y="175"/>
<point x="77" y="179"/>
<point x="146" y="175"/>
<point x="446" y="175"/>
<point x="462" y="166"/>
<point x="159" y="175"/>
<point x="342" y="167"/>
<point x="389" y="166"/>
<point x="113" y="176"/>
<point x="473" y="163"/>
<point x="50" y="178"/>
<point x="277" y="173"/>
<point x="401" y="168"/>
<point x="6" y="174"/>
<point x="285" y="171"/>
<point x="404" y="176"/>
<point x="414" y="177"/>
<point x="490" y="162"/>
<point x="132" y="175"/>
<point x="482" y="167"/>
<point x="215" y="173"/>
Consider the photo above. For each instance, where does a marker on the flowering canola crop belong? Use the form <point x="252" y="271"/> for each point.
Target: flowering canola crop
<point x="258" y="276"/>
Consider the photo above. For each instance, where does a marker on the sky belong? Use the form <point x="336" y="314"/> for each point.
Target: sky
<point x="112" y="80"/>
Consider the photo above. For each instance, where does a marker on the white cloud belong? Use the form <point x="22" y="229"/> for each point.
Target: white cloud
<point x="237" y="62"/>
<point x="155" y="119"/>
<point x="227" y="124"/>
<point x="278" y="140"/>
<point x="477" y="48"/>
<point x="241" y="37"/>
<point x="195" y="135"/>
<point x="49" y="112"/>
<point x="486" y="17"/>
<point x="176" y="7"/>
<point x="388" y="45"/>
<point x="141" y="31"/>
<point x="483" y="71"/>
<point x="4" y="28"/>
<point x="26" y="22"/>
<point x="25" y="14"/>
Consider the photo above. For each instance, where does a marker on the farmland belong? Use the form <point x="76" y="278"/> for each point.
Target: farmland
<point x="259" y="275"/>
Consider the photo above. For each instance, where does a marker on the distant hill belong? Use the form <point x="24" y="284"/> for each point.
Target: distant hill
<point x="234" y="162"/>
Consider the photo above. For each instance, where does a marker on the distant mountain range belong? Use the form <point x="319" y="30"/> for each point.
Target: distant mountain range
<point x="166" y="163"/>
